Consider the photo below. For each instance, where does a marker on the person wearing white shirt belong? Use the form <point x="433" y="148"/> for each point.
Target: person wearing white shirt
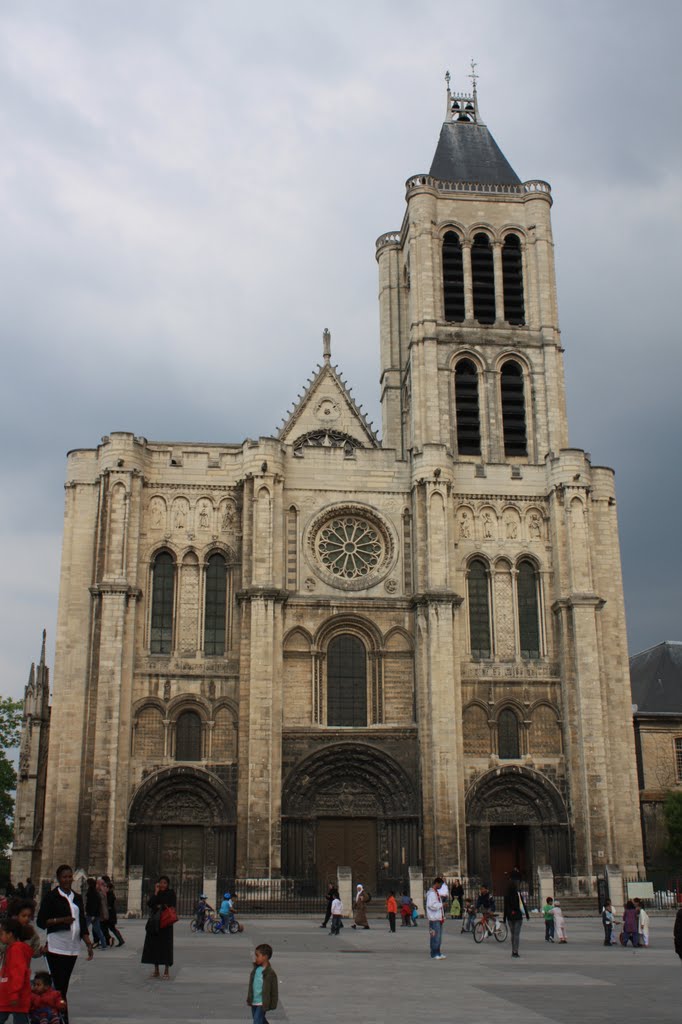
<point x="63" y="916"/>
<point x="435" y="916"/>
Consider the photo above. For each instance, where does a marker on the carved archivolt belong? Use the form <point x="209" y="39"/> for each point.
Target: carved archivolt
<point x="182" y="796"/>
<point x="349" y="779"/>
<point x="515" y="795"/>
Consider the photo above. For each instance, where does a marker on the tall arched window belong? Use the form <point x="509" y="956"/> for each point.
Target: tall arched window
<point x="508" y="734"/>
<point x="483" y="279"/>
<point x="188" y="737"/>
<point x="527" y="600"/>
<point x="479" y="609"/>
<point x="346" y="681"/>
<point x="216" y="605"/>
<point x="466" y="406"/>
<point x="163" y="584"/>
<point x="512" y="278"/>
<point x="513" y="409"/>
<point x="453" y="278"/>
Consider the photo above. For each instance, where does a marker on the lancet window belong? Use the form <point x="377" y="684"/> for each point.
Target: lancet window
<point x="512" y="279"/>
<point x="216" y="605"/>
<point x="188" y="737"/>
<point x="346" y="681"/>
<point x="513" y="409"/>
<point x="453" y="278"/>
<point x="527" y="600"/>
<point x="163" y="587"/>
<point x="466" y="407"/>
<point x="483" y="279"/>
<point x="478" y="586"/>
<point x="508" y="745"/>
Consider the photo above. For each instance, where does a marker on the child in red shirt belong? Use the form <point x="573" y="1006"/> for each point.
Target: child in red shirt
<point x="46" y="1001"/>
<point x="15" y="974"/>
<point x="391" y="910"/>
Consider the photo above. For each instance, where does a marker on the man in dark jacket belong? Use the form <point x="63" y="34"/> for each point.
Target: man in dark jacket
<point x="514" y="909"/>
<point x="677" y="933"/>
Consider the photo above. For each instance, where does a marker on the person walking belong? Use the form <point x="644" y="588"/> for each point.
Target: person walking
<point x="642" y="923"/>
<point x="158" y="943"/>
<point x="102" y="893"/>
<point x="362" y="898"/>
<point x="677" y="933"/>
<point x="62" y="915"/>
<point x="113" y="913"/>
<point x="391" y="910"/>
<point x="332" y="894"/>
<point x="92" y="909"/>
<point x="435" y="917"/>
<point x="405" y="910"/>
<point x="559" y="923"/>
<point x="29" y="890"/>
<point x="514" y="909"/>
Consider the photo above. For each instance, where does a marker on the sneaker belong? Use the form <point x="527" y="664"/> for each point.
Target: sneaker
<point x="441" y="956"/>
<point x="515" y="954"/>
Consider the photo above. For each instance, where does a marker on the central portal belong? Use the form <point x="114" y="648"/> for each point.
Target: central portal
<point x="347" y="842"/>
<point x="508" y="850"/>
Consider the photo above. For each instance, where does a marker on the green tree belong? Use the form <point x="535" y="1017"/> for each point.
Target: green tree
<point x="10" y="729"/>
<point x="672" y="812"/>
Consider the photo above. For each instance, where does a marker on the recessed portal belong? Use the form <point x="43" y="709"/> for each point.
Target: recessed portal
<point x="347" y="842"/>
<point x="508" y="850"/>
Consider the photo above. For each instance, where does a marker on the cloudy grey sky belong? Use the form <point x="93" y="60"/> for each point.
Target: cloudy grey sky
<point x="190" y="192"/>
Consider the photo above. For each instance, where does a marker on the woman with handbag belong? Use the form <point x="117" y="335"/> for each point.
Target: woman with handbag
<point x="158" y="943"/>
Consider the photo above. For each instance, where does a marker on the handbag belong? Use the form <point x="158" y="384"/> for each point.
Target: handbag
<point x="169" y="916"/>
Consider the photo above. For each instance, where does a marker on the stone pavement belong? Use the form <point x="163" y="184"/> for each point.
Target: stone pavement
<point x="368" y="976"/>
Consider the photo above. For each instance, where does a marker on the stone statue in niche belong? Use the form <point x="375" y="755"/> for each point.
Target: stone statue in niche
<point x="157" y="514"/>
<point x="204" y="521"/>
<point x="534" y="528"/>
<point x="229" y="517"/>
<point x="180" y="517"/>
<point x="167" y="690"/>
<point x="487" y="526"/>
<point x="512" y="528"/>
<point x="465" y="525"/>
<point x="211" y="689"/>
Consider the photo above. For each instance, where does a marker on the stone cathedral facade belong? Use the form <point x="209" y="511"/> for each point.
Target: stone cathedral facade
<point x="321" y="648"/>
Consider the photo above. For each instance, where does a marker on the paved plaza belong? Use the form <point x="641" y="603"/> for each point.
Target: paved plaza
<point x="367" y="976"/>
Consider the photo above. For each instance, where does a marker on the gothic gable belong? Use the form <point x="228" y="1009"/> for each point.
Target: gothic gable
<point x="326" y="416"/>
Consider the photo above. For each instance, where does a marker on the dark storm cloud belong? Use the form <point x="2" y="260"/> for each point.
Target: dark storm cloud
<point x="191" y="192"/>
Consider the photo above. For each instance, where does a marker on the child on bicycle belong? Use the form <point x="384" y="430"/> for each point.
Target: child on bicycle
<point x="227" y="910"/>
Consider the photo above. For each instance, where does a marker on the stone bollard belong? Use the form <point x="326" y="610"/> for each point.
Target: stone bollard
<point x="135" y="890"/>
<point x="344" y="883"/>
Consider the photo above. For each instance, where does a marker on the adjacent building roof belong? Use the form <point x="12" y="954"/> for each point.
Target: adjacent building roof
<point x="467" y="151"/>
<point x="656" y="678"/>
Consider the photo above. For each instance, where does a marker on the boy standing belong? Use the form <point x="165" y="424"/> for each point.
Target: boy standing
<point x="391" y="910"/>
<point x="607" y="920"/>
<point x="262" y="994"/>
<point x="337" y="914"/>
<point x="548" y="914"/>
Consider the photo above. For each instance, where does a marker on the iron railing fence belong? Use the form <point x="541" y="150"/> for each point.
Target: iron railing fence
<point x="186" y="895"/>
<point x="277" y="896"/>
<point x="667" y="889"/>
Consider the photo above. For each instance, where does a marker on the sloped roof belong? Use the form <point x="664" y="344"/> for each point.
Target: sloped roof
<point x="467" y="151"/>
<point x="656" y="678"/>
<point x="327" y="405"/>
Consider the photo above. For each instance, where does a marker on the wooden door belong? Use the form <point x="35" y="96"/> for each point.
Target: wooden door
<point x="182" y="853"/>
<point x="347" y="842"/>
<point x="508" y="845"/>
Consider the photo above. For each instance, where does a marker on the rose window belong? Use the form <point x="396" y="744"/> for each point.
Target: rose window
<point x="349" y="547"/>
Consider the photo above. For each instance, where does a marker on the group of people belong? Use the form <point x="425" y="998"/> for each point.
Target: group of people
<point x="101" y="913"/>
<point x="634" y="927"/>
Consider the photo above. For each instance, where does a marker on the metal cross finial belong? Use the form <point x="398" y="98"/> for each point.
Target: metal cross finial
<point x="447" y="78"/>
<point x="473" y="76"/>
<point x="448" y="98"/>
<point x="326" y="345"/>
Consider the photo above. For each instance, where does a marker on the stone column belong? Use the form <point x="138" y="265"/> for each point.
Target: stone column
<point x="468" y="282"/>
<point x="135" y="873"/>
<point x="545" y="883"/>
<point x="211" y="885"/>
<point x="499" y="283"/>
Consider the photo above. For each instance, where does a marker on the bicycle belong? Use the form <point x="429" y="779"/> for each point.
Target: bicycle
<point x="490" y="926"/>
<point x="219" y="927"/>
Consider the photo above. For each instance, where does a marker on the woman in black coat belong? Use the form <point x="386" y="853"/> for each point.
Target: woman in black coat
<point x="158" y="943"/>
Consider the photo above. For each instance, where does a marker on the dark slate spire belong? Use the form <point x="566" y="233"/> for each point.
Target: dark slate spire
<point x="466" y="150"/>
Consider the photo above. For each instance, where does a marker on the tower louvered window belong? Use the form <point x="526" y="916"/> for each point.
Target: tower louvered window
<point x="529" y="619"/>
<point x="216" y="605"/>
<point x="512" y="278"/>
<point x="479" y="609"/>
<point x="163" y="584"/>
<point x="483" y="279"/>
<point x="453" y="278"/>
<point x="513" y="409"/>
<point x="466" y="406"/>
<point x="508" y="735"/>
<point x="346" y="682"/>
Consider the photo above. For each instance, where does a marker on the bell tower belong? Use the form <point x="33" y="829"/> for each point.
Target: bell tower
<point x="470" y="342"/>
